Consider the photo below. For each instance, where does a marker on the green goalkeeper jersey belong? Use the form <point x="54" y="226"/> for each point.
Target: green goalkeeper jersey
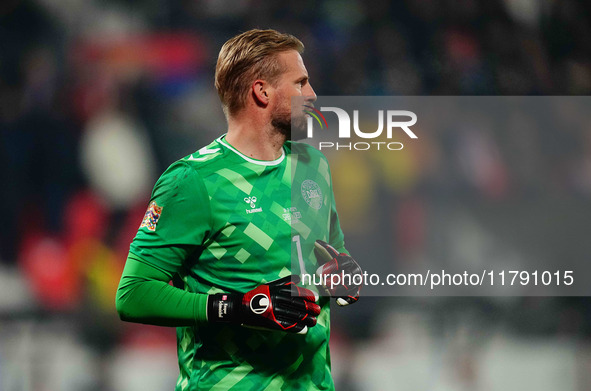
<point x="220" y="221"/>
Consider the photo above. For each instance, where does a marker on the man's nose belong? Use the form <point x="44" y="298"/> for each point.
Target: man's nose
<point x="309" y="93"/>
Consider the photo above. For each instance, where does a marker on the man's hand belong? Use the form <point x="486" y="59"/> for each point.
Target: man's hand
<point x="278" y="305"/>
<point x="343" y="266"/>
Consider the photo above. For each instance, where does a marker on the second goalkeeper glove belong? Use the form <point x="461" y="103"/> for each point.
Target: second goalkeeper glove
<point x="342" y="265"/>
<point x="277" y="305"/>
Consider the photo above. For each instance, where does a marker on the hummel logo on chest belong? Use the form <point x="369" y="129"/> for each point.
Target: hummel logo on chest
<point x="251" y="201"/>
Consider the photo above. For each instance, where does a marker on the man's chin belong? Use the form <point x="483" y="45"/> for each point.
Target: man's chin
<point x="293" y="133"/>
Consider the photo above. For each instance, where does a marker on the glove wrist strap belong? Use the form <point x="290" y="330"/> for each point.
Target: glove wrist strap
<point x="222" y="307"/>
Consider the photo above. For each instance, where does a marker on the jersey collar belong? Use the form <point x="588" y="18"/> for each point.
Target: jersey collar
<point x="275" y="162"/>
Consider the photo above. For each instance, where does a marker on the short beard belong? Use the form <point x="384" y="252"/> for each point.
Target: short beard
<point x="283" y="124"/>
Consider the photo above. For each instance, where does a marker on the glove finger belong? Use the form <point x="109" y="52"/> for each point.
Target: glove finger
<point x="304" y="293"/>
<point x="346" y="271"/>
<point x="294" y="316"/>
<point x="324" y="250"/>
<point x="345" y="290"/>
<point x="350" y="265"/>
<point x="304" y="330"/>
<point x="340" y="263"/>
<point x="296" y="328"/>
<point x="330" y="249"/>
<point x="330" y="267"/>
<point x="346" y="300"/>
<point x="296" y="310"/>
<point x="295" y="291"/>
<point x="306" y="306"/>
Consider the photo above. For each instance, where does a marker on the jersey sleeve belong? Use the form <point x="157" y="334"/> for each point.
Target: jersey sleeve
<point x="336" y="236"/>
<point x="178" y="219"/>
<point x="145" y="296"/>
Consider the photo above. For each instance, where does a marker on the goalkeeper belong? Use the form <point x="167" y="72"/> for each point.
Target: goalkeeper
<point x="223" y="226"/>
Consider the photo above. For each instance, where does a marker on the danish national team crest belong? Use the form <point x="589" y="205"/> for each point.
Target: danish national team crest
<point x="152" y="216"/>
<point x="312" y="194"/>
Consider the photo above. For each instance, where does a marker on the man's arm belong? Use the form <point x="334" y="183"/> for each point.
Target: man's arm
<point x="144" y="296"/>
<point x="177" y="222"/>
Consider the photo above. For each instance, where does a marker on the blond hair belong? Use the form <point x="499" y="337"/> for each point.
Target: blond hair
<point x="247" y="57"/>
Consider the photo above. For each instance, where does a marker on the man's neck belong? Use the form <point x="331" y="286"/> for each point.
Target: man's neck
<point x="256" y="140"/>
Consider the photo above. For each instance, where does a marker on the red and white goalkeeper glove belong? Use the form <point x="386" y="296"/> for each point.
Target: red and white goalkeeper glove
<point x="340" y="274"/>
<point x="277" y="305"/>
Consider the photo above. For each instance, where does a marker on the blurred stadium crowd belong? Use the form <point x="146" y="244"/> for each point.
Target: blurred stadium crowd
<point x="99" y="97"/>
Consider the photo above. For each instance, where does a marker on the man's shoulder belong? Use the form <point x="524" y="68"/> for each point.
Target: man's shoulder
<point x="200" y="163"/>
<point x="205" y="160"/>
<point x="205" y="156"/>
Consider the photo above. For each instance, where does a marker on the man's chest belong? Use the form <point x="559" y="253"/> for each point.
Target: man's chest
<point x="266" y="216"/>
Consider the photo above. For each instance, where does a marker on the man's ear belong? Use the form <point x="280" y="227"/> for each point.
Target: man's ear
<point x="260" y="92"/>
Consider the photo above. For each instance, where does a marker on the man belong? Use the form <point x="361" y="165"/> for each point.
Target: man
<point x="223" y="226"/>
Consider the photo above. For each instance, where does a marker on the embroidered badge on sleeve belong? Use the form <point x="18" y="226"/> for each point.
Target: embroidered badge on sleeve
<point x="151" y="217"/>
